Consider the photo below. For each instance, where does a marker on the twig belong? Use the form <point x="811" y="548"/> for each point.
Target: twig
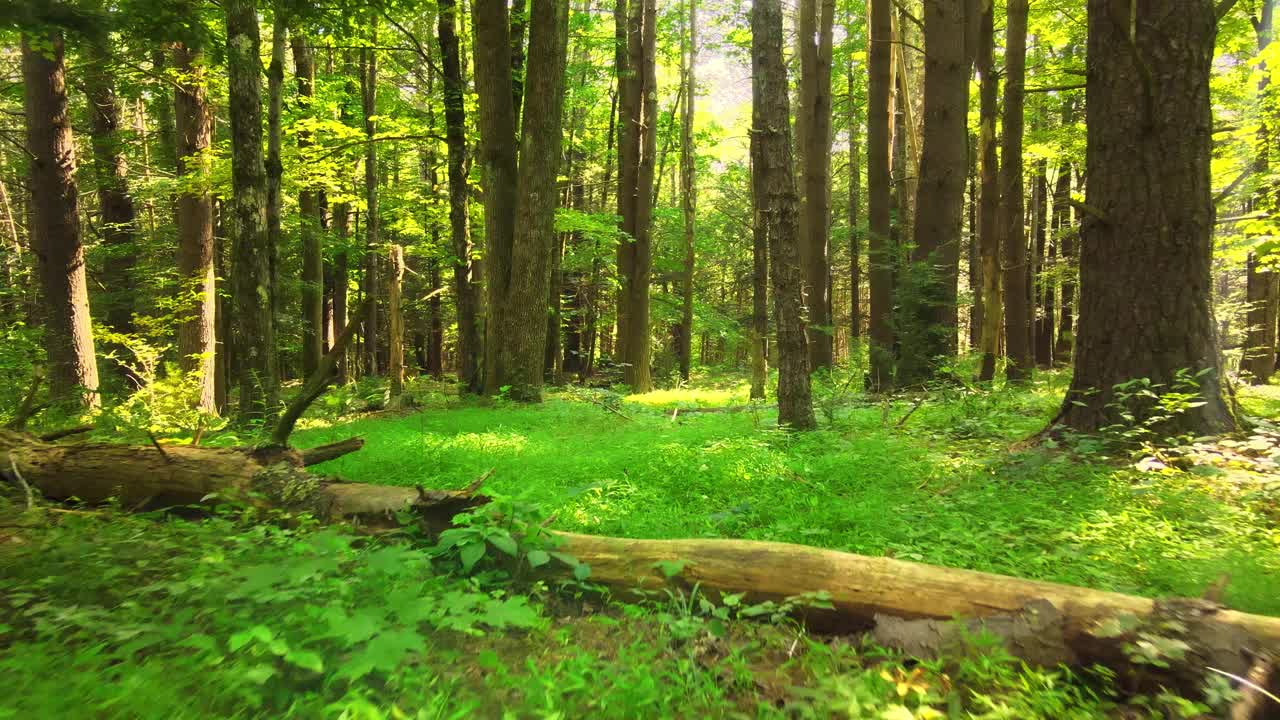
<point x="60" y="434"/>
<point x="319" y="380"/>
<point x="1243" y="681"/>
<point x="911" y="412"/>
<point x="28" y="408"/>
<point x="156" y="443"/>
<point x="1088" y="209"/>
<point x="475" y="484"/>
<point x="17" y="476"/>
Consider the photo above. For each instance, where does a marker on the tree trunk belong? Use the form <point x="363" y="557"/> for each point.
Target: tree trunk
<point x="1013" y="232"/>
<point x="1042" y="284"/>
<point x="813" y="123"/>
<point x="434" y="365"/>
<point x="1263" y="283"/>
<point x="395" y="320"/>
<point x="464" y="289"/>
<point x="115" y="207"/>
<point x="988" y="211"/>
<point x="973" y="256"/>
<point x="197" y="334"/>
<point x="369" y="97"/>
<point x="519" y="25"/>
<point x="855" y="235"/>
<point x="275" y="170"/>
<point x="774" y="180"/>
<point x="55" y="223"/>
<point x="341" y="281"/>
<point x="879" y="182"/>
<point x="928" y="304"/>
<point x="251" y="258"/>
<point x="689" y="191"/>
<point x="1066" y="235"/>
<point x="309" y="207"/>
<point x="637" y="146"/>
<point x="1149" y="215"/>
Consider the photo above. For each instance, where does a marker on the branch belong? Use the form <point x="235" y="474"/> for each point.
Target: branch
<point x="22" y="483"/>
<point x="68" y="432"/>
<point x="1055" y="88"/>
<point x="1235" y="185"/>
<point x="332" y="451"/>
<point x="364" y="141"/>
<point x="1089" y="210"/>
<point x="28" y="408"/>
<point x="319" y="380"/>
<point x="1223" y="8"/>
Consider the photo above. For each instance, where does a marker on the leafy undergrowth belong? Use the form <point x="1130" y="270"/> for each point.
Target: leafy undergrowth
<point x="117" y="616"/>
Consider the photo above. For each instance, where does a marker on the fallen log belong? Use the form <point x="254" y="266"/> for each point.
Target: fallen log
<point x="911" y="605"/>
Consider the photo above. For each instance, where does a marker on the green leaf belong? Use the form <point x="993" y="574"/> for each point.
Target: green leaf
<point x="259" y="674"/>
<point x="306" y="660"/>
<point x="471" y="554"/>
<point x="261" y="633"/>
<point x="538" y="558"/>
<point x="505" y="543"/>
<point x="582" y="571"/>
<point x="671" y="568"/>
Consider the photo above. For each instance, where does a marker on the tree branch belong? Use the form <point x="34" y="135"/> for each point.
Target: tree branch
<point x="319" y="380"/>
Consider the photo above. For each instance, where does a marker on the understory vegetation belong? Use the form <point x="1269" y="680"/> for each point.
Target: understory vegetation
<point x="112" y="614"/>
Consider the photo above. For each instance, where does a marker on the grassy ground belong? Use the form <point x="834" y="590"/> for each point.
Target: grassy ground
<point x="111" y="615"/>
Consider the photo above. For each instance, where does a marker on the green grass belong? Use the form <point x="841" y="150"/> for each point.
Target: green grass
<point x="941" y="489"/>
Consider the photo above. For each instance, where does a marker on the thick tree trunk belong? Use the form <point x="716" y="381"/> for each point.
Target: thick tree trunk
<point x="311" y="221"/>
<point x="117" y="219"/>
<point x="774" y="180"/>
<point x="1013" y="232"/>
<point x="275" y="168"/>
<point x="55" y="223"/>
<point x="813" y="124"/>
<point x="879" y="182"/>
<point x="519" y="27"/>
<point x="254" y="321"/>
<point x="1148" y="214"/>
<point x="464" y="288"/>
<point x="369" y="98"/>
<point x="759" y="288"/>
<point x="988" y="212"/>
<point x="929" y="305"/>
<point x="1259" y="360"/>
<point x="197" y="334"/>
<point x="688" y="190"/>
<point x="637" y="146"/>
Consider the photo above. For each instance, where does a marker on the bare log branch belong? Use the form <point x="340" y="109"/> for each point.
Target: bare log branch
<point x="319" y="380"/>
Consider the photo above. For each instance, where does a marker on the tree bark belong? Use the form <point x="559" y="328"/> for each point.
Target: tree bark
<point x="55" y="223"/>
<point x="309" y="208"/>
<point x="117" y="218"/>
<point x="774" y="179"/>
<point x="369" y="100"/>
<point x="1263" y="283"/>
<point x="855" y="234"/>
<point x="988" y="212"/>
<point x="395" y="320"/>
<point x="637" y="147"/>
<point x="879" y="182"/>
<point x="1150" y="215"/>
<point x="274" y="166"/>
<point x="1013" y="232"/>
<point x="464" y="289"/>
<point x="813" y="123"/>
<point x="1066" y="236"/>
<point x="929" y="305"/>
<point x="689" y="191"/>
<point x="197" y="333"/>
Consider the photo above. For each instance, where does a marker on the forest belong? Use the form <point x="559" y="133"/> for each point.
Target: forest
<point x="892" y="359"/>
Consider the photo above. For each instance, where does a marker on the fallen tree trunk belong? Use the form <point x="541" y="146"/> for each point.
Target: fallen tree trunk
<point x="147" y="477"/>
<point x="911" y="605"/>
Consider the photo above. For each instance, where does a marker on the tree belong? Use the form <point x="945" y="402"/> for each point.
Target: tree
<point x="520" y="264"/>
<point x="813" y="127"/>
<point x="197" y="333"/>
<point x="1066" y="241"/>
<point x="55" y="221"/>
<point x="688" y="190"/>
<point x="1012" y="228"/>
<point x="274" y="167"/>
<point x="1263" y="283"/>
<point x="1148" y="213"/>
<point x="1044" y="315"/>
<point x="988" y="237"/>
<point x="638" y="113"/>
<point x="465" y="294"/>
<point x="928" y="306"/>
<point x="774" y="179"/>
<point x="247" y="216"/>
<point x="879" y="180"/>
<point x="309" y="205"/>
<point x="369" y="104"/>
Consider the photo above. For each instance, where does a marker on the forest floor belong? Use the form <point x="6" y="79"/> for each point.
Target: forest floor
<point x="107" y="615"/>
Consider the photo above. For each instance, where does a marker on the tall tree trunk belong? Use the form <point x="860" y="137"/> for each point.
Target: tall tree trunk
<point x="116" y="212"/>
<point x="879" y="181"/>
<point x="1263" y="282"/>
<point x="776" y="197"/>
<point x="928" y="304"/>
<point x="813" y="123"/>
<point x="464" y="288"/>
<point x="988" y="211"/>
<point x="855" y="235"/>
<point x="369" y="97"/>
<point x="689" y="191"/>
<point x="341" y="283"/>
<point x="519" y="25"/>
<point x="1042" y="282"/>
<point x="628" y="110"/>
<point x="637" y="146"/>
<point x="973" y="256"/>
<point x="395" y="321"/>
<point x="434" y="365"/>
<point x="759" y="291"/>
<point x="309" y="206"/>
<point x="55" y="223"/>
<point x="1066" y="242"/>
<point x="197" y="334"/>
<point x="1013" y="232"/>
<point x="275" y="170"/>
<point x="251" y="257"/>
<point x="1150" y="215"/>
